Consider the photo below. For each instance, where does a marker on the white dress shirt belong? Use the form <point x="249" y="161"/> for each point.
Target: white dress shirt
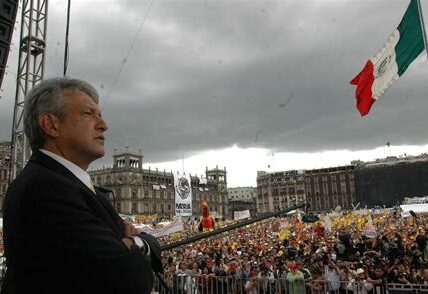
<point x="81" y="174"/>
<point x="84" y="177"/>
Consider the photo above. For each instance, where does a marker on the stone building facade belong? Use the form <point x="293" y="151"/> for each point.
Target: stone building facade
<point x="323" y="189"/>
<point x="383" y="182"/>
<point x="146" y="191"/>
<point x="279" y="190"/>
<point x="242" y="198"/>
<point x="327" y="188"/>
<point x="242" y="194"/>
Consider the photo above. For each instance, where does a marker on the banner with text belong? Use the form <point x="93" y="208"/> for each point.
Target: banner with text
<point x="243" y="214"/>
<point x="174" y="226"/>
<point x="183" y="195"/>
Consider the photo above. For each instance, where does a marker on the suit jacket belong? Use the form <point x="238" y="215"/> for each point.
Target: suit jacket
<point x="61" y="238"/>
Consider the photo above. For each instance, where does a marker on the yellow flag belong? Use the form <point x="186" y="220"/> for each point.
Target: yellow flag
<point x="284" y="233"/>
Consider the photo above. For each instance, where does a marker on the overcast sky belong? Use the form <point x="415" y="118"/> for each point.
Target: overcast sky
<point x="247" y="85"/>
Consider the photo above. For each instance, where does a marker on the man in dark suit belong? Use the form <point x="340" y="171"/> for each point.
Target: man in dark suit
<point x="60" y="234"/>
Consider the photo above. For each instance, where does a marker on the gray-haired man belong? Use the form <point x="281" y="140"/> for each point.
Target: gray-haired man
<point x="61" y="235"/>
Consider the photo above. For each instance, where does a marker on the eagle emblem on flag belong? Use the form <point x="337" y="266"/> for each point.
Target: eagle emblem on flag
<point x="383" y="66"/>
<point x="183" y="188"/>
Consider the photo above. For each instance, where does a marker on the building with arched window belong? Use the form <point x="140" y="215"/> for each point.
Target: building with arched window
<point x="136" y="190"/>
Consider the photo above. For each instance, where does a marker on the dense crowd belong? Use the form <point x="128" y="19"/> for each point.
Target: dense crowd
<point x="350" y="252"/>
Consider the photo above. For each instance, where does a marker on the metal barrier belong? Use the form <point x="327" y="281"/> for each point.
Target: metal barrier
<point x="406" y="288"/>
<point x="207" y="284"/>
<point x="2" y="268"/>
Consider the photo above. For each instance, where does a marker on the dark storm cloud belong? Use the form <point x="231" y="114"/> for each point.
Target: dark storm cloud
<point x="208" y="75"/>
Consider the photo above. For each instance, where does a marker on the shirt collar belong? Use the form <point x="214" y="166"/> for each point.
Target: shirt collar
<point x="81" y="174"/>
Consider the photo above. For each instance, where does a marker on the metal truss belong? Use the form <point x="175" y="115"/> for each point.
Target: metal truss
<point x="31" y="66"/>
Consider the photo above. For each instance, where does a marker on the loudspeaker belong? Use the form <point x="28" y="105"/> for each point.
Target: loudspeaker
<point x="8" y="9"/>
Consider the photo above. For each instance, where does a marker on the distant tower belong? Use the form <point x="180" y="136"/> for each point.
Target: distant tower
<point x="127" y="174"/>
<point x="128" y="160"/>
<point x="217" y="185"/>
<point x="218" y="177"/>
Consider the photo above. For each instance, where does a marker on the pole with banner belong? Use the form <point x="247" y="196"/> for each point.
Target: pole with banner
<point x="183" y="195"/>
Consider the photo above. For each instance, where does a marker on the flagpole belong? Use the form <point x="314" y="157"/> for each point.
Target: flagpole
<point x="421" y="17"/>
<point x="182" y="162"/>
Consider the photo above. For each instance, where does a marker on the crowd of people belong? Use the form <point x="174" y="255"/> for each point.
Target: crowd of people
<point x="350" y="252"/>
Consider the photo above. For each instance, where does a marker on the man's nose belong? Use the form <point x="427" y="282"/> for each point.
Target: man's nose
<point x="102" y="125"/>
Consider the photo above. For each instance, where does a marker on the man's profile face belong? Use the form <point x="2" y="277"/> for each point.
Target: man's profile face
<point x="81" y="130"/>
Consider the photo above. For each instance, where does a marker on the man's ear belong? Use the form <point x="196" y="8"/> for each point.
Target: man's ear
<point x="49" y="124"/>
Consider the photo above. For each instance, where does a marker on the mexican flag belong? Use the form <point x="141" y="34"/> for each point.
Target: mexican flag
<point x="390" y="63"/>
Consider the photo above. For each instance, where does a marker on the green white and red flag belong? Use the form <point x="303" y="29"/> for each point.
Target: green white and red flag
<point x="390" y="63"/>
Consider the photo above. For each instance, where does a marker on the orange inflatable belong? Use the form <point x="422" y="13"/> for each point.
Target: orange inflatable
<point x="207" y="222"/>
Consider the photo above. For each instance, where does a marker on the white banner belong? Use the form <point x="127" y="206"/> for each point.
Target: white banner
<point x="175" y="226"/>
<point x="183" y="195"/>
<point x="327" y="223"/>
<point x="243" y="214"/>
<point x="127" y="217"/>
<point x="415" y="200"/>
<point x="416" y="208"/>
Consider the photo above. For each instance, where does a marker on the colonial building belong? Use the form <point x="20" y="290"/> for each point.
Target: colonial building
<point x="327" y="188"/>
<point x="279" y="190"/>
<point x="323" y="189"/>
<point x="383" y="182"/>
<point x="242" y="198"/>
<point x="242" y="194"/>
<point x="5" y="152"/>
<point x="146" y="191"/>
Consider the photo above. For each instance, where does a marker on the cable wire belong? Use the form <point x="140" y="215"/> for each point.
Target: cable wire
<point x="66" y="53"/>
<point x="127" y="55"/>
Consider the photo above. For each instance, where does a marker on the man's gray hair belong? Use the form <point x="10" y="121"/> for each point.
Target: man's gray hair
<point x="48" y="97"/>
